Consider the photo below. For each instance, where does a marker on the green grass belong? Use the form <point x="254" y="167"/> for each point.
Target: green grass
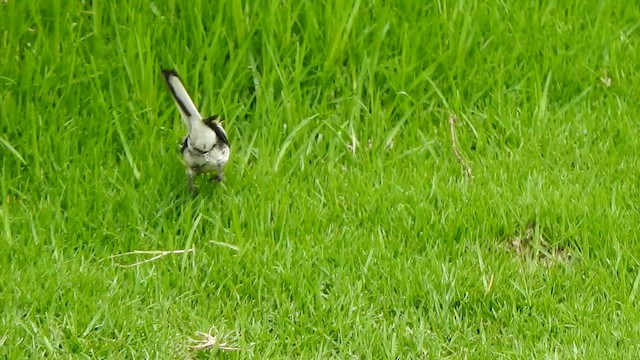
<point x="379" y="250"/>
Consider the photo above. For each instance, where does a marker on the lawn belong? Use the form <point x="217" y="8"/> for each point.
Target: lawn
<point x="409" y="179"/>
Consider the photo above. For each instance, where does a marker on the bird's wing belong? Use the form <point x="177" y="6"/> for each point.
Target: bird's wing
<point x="213" y="124"/>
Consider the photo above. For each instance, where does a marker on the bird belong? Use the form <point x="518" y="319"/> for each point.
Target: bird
<point x="205" y="148"/>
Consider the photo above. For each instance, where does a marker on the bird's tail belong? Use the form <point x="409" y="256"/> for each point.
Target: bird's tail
<point x="185" y="104"/>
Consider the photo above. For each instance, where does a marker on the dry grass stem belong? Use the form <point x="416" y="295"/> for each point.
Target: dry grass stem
<point x="158" y="254"/>
<point x="209" y="341"/>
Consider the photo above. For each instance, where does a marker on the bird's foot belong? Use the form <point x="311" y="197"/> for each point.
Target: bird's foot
<point x="219" y="177"/>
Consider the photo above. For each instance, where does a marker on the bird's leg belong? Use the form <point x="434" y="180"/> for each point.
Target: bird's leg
<point x="191" y="177"/>
<point x="219" y="176"/>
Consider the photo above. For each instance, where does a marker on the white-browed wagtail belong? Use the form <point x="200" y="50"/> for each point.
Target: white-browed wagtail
<point x="205" y="148"/>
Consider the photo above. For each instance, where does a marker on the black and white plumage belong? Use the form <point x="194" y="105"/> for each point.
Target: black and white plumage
<point x="205" y="148"/>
